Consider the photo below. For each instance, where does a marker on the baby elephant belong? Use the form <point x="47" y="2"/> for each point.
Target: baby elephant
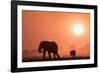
<point x="73" y="53"/>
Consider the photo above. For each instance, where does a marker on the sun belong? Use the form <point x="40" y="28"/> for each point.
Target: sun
<point x="78" y="29"/>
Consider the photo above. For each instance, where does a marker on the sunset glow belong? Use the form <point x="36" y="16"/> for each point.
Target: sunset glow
<point x="67" y="29"/>
<point x="78" y="29"/>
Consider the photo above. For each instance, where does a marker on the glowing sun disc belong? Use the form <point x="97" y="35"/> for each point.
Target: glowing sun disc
<point x="78" y="29"/>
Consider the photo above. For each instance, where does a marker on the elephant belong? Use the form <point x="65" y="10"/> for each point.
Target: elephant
<point x="73" y="53"/>
<point x="50" y="47"/>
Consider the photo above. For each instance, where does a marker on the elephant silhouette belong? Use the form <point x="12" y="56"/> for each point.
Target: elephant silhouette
<point x="73" y="53"/>
<point x="50" y="47"/>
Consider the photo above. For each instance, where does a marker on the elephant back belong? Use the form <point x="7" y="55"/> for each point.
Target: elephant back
<point x="53" y="44"/>
<point x="49" y="45"/>
<point x="44" y="44"/>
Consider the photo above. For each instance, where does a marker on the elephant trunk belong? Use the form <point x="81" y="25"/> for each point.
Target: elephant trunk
<point x="39" y="50"/>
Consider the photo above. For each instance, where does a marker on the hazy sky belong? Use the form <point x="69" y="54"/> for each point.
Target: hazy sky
<point x="40" y="26"/>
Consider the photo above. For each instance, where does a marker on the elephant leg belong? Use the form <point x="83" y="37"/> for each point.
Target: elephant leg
<point x="54" y="55"/>
<point x="44" y="52"/>
<point x="49" y="55"/>
<point x="57" y="55"/>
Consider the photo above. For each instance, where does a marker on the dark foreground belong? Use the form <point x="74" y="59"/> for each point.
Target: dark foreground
<point x="57" y="59"/>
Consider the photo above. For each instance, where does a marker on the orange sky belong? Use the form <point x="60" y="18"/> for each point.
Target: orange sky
<point x="40" y="26"/>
